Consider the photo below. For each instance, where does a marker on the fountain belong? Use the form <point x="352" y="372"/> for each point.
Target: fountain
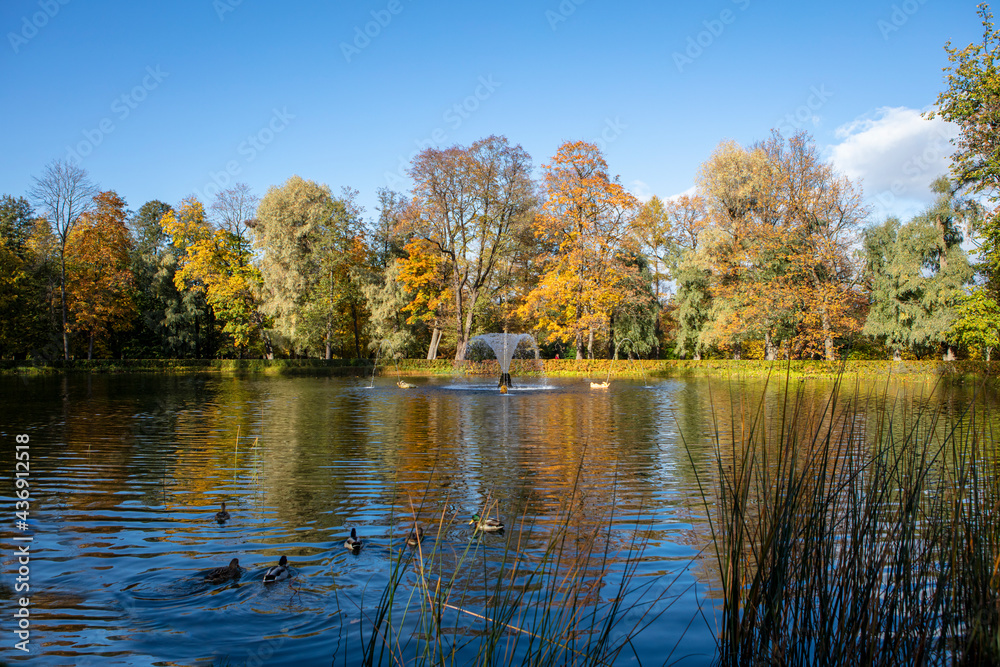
<point x="504" y="345"/>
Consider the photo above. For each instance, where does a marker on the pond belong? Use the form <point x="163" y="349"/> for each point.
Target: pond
<point x="127" y="474"/>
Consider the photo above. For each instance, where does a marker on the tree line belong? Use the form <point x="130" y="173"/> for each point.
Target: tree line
<point x="773" y="256"/>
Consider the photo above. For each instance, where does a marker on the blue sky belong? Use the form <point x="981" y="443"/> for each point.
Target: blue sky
<point x="165" y="100"/>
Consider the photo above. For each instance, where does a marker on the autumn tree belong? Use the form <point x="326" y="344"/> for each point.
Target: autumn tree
<point x="214" y="262"/>
<point x="778" y="248"/>
<point x="63" y="192"/>
<point x="101" y="286"/>
<point x="586" y="227"/>
<point x="469" y="205"/>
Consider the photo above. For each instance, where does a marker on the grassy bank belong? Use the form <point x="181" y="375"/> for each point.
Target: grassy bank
<point x="594" y="368"/>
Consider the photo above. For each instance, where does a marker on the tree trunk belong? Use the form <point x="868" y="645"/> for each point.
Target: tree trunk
<point x="329" y="335"/>
<point x="697" y="356"/>
<point x="432" y="350"/>
<point x="579" y="345"/>
<point x="950" y="354"/>
<point x="62" y="290"/>
<point x="357" y="331"/>
<point x="590" y="344"/>
<point x="268" y="346"/>
<point x="828" y="340"/>
<point x="897" y="355"/>
<point x="90" y="347"/>
<point x="611" y="337"/>
<point x="769" y="352"/>
<point x="738" y="352"/>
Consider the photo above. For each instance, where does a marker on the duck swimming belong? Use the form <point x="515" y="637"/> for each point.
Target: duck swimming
<point x="404" y="385"/>
<point x="353" y="543"/>
<point x="220" y="574"/>
<point x="487" y="525"/>
<point x="222" y="515"/>
<point x="278" y="572"/>
<point x="417" y="534"/>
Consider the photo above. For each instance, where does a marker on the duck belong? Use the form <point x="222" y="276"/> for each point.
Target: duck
<point x="598" y="385"/>
<point x="278" y="572"/>
<point x="404" y="385"/>
<point x="222" y="515"/>
<point x="220" y="574"/>
<point x="417" y="534"/>
<point x="503" y="389"/>
<point x="353" y="543"/>
<point x="487" y="525"/>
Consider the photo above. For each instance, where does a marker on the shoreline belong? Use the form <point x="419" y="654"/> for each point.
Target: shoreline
<point x="523" y="367"/>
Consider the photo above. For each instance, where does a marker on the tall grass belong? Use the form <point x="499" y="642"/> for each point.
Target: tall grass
<point x="856" y="534"/>
<point x="503" y="605"/>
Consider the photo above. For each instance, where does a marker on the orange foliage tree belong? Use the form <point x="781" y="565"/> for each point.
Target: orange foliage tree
<point x="100" y="287"/>
<point x="587" y="233"/>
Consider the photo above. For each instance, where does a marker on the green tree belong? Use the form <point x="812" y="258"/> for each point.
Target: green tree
<point x="975" y="326"/>
<point x="312" y="248"/>
<point x="24" y="326"/>
<point x="917" y="274"/>
<point x="972" y="102"/>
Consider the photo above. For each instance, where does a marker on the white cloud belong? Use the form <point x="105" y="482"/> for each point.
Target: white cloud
<point x="690" y="192"/>
<point x="896" y="154"/>
<point x="641" y="190"/>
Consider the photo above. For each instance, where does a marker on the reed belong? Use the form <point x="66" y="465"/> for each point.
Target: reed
<point x="859" y="534"/>
<point x="488" y="605"/>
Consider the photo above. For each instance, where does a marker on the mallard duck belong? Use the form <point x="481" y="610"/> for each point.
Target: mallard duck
<point x="598" y="385"/>
<point x="404" y="385"/>
<point x="278" y="572"/>
<point x="353" y="543"/>
<point x="220" y="574"/>
<point x="417" y="534"/>
<point x="487" y="525"/>
<point x="222" y="515"/>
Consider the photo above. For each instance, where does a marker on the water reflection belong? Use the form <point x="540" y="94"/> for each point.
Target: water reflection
<point x="128" y="472"/>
